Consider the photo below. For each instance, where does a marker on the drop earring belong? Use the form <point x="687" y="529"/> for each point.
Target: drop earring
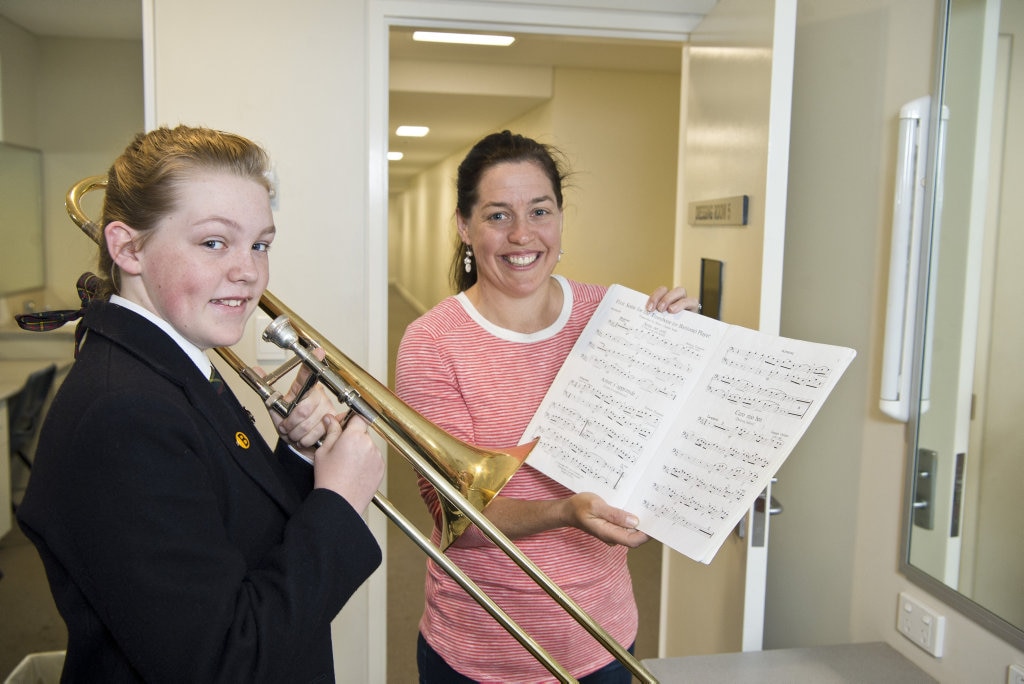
<point x="560" y="253"/>
<point x="468" y="261"/>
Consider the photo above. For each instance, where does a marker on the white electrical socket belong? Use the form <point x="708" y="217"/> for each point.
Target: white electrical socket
<point x="920" y="624"/>
<point x="1015" y="675"/>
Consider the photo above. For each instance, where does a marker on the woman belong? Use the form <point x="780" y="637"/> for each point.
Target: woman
<point x="478" y="364"/>
<point x="178" y="546"/>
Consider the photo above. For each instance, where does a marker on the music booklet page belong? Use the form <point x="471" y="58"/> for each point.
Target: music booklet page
<point x="678" y="418"/>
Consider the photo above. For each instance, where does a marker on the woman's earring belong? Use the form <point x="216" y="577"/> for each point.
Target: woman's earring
<point x="468" y="261"/>
<point x="560" y="253"/>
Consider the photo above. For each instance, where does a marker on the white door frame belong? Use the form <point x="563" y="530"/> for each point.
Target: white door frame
<point x="773" y="252"/>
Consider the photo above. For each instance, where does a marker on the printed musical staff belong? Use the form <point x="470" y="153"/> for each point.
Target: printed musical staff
<point x="679" y="418"/>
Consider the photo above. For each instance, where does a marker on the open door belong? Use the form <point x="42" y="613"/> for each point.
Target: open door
<point x="734" y="141"/>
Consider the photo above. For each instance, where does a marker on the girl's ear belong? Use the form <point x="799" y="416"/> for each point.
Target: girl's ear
<point x="121" y="244"/>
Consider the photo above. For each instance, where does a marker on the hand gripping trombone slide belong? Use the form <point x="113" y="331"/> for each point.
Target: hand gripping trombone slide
<point x="466" y="478"/>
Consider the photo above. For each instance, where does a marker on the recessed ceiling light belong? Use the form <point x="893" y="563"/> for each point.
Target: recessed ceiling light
<point x="412" y="131"/>
<point x="463" y="38"/>
<point x="395" y="156"/>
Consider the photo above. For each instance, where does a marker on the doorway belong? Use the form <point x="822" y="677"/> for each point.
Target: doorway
<point x="597" y="74"/>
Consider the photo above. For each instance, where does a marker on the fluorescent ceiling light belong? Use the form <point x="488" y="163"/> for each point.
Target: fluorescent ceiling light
<point x="395" y="156"/>
<point x="412" y="131"/>
<point x="463" y="38"/>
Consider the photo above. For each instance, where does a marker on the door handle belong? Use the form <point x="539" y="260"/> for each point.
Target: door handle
<point x="774" y="509"/>
<point x="758" y="518"/>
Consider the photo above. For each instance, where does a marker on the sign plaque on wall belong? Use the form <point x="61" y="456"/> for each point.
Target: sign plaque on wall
<point x="727" y="211"/>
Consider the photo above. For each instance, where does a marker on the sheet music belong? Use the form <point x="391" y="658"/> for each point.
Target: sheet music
<point x="678" y="418"/>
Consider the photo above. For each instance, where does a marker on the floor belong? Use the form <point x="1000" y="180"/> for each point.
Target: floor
<point x="31" y="623"/>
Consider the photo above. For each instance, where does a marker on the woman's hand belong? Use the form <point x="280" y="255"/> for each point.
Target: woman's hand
<point x="590" y="513"/>
<point x="586" y="511"/>
<point x="349" y="462"/>
<point x="672" y="301"/>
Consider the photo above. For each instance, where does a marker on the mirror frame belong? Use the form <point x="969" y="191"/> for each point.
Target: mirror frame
<point x="956" y="600"/>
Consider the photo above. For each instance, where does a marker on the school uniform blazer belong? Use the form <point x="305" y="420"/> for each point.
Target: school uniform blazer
<point x="177" y="546"/>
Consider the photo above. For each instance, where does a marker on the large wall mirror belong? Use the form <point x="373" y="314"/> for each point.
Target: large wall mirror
<point x="964" y="527"/>
<point x="22" y="262"/>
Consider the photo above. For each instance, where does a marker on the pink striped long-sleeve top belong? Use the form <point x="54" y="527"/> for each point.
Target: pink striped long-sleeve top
<point x="483" y="384"/>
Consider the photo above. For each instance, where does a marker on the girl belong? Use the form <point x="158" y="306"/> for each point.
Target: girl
<point x="178" y="545"/>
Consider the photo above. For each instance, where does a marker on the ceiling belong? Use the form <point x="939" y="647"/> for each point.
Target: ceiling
<point x="457" y="117"/>
<point x="121" y="19"/>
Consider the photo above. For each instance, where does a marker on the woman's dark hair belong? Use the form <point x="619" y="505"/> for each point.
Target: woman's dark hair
<point x="143" y="183"/>
<point x="498" y="148"/>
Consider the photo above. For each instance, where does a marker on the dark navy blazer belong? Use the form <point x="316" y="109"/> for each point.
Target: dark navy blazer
<point x="177" y="545"/>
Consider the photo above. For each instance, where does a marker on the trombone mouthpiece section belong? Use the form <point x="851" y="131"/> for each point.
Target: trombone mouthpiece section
<point x="281" y="332"/>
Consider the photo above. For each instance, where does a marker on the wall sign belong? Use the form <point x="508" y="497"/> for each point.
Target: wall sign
<point x="728" y="211"/>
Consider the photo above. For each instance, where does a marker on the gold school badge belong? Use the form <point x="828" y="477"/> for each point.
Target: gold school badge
<point x="242" y="440"/>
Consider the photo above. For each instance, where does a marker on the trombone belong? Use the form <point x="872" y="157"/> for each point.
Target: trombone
<point x="466" y="478"/>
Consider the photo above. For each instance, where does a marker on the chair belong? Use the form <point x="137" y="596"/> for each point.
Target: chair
<point x="25" y="412"/>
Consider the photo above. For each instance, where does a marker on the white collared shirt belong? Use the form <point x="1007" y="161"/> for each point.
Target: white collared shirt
<point x="197" y="355"/>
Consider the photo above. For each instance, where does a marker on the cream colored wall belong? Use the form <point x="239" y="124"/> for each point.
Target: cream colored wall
<point x="293" y="78"/>
<point x="833" y="560"/>
<point x="618" y="130"/>
<point x="19" y="58"/>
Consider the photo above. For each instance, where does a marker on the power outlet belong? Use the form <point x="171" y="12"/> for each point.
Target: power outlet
<point x="920" y="624"/>
<point x="1015" y="675"/>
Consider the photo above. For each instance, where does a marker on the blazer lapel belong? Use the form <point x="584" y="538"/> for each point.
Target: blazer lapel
<point x="227" y="418"/>
<point x="237" y="431"/>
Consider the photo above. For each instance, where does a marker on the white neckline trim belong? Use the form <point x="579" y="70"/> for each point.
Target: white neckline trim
<point x="514" y="336"/>
<point x="197" y="355"/>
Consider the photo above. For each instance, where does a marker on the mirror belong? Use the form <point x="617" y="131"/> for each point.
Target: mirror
<point x="964" y="527"/>
<point x="22" y="265"/>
